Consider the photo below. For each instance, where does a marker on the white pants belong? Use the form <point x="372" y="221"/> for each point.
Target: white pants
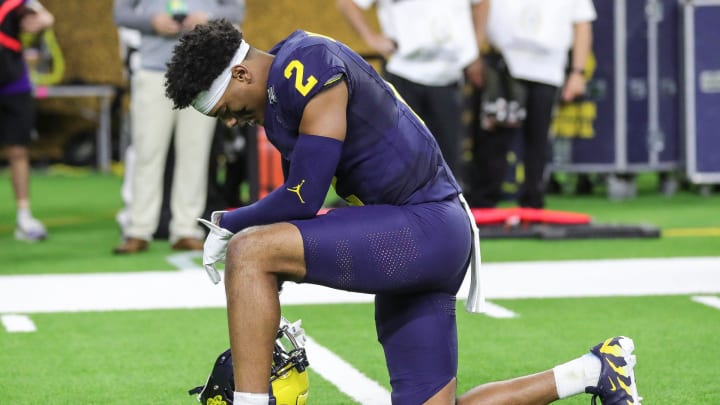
<point x="153" y="121"/>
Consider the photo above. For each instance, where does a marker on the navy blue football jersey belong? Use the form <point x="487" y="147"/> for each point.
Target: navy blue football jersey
<point x="389" y="156"/>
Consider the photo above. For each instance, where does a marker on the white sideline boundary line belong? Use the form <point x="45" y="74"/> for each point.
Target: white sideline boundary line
<point x="710" y="301"/>
<point x="344" y="376"/>
<point x="190" y="288"/>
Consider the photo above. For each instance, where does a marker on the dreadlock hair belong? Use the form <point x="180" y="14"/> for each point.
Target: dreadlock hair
<point x="198" y="58"/>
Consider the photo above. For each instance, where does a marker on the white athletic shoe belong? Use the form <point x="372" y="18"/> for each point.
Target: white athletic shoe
<point x="30" y="230"/>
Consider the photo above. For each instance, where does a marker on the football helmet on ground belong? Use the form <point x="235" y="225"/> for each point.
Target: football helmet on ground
<point x="289" y="380"/>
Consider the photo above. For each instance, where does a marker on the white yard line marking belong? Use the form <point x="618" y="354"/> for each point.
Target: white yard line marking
<point x="192" y="289"/>
<point x="496" y="311"/>
<point x="344" y="376"/>
<point x="17" y="323"/>
<point x="184" y="261"/>
<point x="710" y="301"/>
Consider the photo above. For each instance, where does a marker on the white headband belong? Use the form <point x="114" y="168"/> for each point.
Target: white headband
<point x="206" y="100"/>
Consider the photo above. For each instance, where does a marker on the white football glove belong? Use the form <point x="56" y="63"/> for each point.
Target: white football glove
<point x="215" y="247"/>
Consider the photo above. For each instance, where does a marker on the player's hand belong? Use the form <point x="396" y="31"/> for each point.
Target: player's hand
<point x="215" y="247"/>
<point x="35" y="22"/>
<point x="165" y="25"/>
<point x="382" y="45"/>
<point x="474" y="73"/>
<point x="574" y="87"/>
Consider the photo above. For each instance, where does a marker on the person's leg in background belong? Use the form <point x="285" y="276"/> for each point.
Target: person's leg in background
<point x="444" y="119"/>
<point x="152" y="126"/>
<point x="440" y="107"/>
<point x="17" y="118"/>
<point x="193" y="137"/>
<point x="412" y="93"/>
<point x="489" y="164"/>
<point x="236" y="165"/>
<point x="123" y="216"/>
<point x="540" y="103"/>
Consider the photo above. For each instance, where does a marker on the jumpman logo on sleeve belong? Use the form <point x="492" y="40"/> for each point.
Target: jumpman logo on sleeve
<point x="296" y="190"/>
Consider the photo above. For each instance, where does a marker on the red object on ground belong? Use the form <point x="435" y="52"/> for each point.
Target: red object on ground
<point x="518" y="215"/>
<point x="515" y="215"/>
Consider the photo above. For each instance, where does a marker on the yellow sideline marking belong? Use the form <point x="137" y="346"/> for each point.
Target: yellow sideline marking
<point x="691" y="232"/>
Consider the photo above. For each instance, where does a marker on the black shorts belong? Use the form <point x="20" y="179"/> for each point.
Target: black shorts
<point x="17" y="118"/>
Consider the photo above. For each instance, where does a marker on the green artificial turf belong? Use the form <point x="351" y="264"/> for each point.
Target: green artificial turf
<point x="156" y="356"/>
<point x="128" y="357"/>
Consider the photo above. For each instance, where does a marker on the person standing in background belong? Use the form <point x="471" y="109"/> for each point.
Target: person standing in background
<point x="533" y="38"/>
<point x="161" y="22"/>
<point x="428" y="46"/>
<point x="17" y="110"/>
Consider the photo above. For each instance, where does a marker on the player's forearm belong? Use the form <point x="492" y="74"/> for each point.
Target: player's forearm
<point x="311" y="171"/>
<point x="480" y="13"/>
<point x="582" y="45"/>
<point x="354" y="15"/>
<point x="35" y="17"/>
<point x="37" y="22"/>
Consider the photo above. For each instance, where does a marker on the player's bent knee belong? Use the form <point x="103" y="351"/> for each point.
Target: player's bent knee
<point x="243" y="245"/>
<point x="247" y="253"/>
<point x="275" y="248"/>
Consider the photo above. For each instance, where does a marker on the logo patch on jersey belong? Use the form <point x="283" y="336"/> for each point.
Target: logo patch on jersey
<point x="271" y="95"/>
<point x="216" y="400"/>
<point x="296" y="190"/>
